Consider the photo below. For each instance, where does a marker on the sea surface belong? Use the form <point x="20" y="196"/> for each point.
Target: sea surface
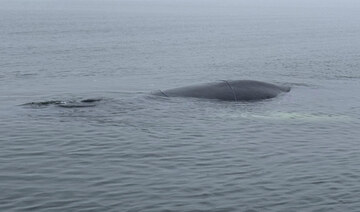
<point x="80" y="130"/>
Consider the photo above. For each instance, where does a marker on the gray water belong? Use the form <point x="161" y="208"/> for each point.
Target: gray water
<point x="132" y="151"/>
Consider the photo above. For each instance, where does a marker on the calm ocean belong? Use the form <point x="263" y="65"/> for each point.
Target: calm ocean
<point x="131" y="151"/>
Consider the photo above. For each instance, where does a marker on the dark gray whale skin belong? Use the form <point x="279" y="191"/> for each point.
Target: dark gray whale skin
<point x="228" y="90"/>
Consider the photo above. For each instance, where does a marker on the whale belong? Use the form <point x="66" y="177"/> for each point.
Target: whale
<point x="228" y="90"/>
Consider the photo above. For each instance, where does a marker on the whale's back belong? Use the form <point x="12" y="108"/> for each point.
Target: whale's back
<point x="247" y="90"/>
<point x="235" y="90"/>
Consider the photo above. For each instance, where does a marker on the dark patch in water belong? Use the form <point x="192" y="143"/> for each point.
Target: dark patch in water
<point x="91" y="100"/>
<point x="64" y="104"/>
